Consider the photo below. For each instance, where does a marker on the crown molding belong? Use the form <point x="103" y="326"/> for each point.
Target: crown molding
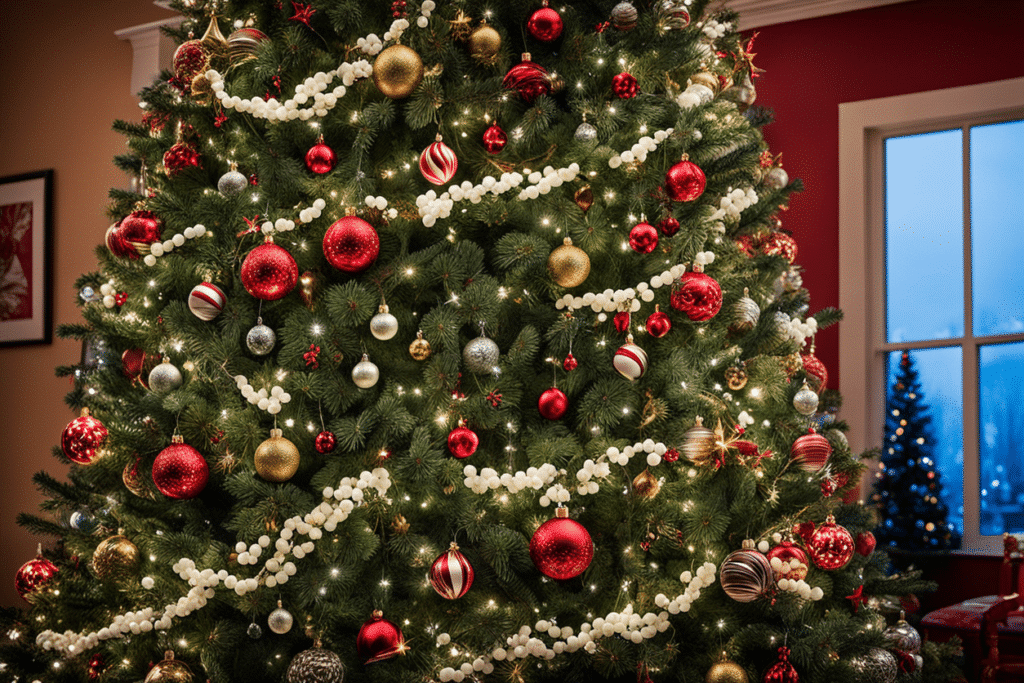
<point x="758" y="13"/>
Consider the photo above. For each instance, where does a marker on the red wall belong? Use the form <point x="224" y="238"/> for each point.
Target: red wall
<point x="812" y="66"/>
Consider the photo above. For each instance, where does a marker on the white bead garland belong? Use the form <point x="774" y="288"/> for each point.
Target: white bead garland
<point x="158" y="249"/>
<point x="542" y="182"/>
<point x="534" y="478"/>
<point x="800" y="331"/>
<point x="107" y="291"/>
<point x="270" y="402"/>
<point x="433" y="207"/>
<point x="641" y="149"/>
<point x="610" y="301"/>
<point x="380" y="203"/>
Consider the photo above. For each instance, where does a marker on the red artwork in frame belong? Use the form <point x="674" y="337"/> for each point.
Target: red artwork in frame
<point x="26" y="247"/>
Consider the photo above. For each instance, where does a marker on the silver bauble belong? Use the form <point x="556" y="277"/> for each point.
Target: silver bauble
<point x="624" y="16"/>
<point x="254" y="631"/>
<point x="837" y="439"/>
<point x="260" y="339"/>
<point x="781" y="328"/>
<point x="365" y="374"/>
<point x="232" y="184"/>
<point x="777" y="178"/>
<point x="904" y="637"/>
<point x="315" y="665"/>
<point x="83" y="522"/>
<point x="586" y="132"/>
<point x="383" y="326"/>
<point x="481" y="355"/>
<point x="164" y="377"/>
<point x="745" y="314"/>
<point x="876" y="666"/>
<point x="698" y="443"/>
<point x="280" y="620"/>
<point x="805" y="401"/>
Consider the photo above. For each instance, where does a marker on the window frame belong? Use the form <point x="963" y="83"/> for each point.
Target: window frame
<point x="863" y="128"/>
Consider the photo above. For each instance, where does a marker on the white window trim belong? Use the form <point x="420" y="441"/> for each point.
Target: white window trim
<point x="862" y="129"/>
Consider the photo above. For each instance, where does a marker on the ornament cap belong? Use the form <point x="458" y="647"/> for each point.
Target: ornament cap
<point x="269" y="239"/>
<point x="526" y="56"/>
<point x="350" y="211"/>
<point x="377" y="614"/>
<point x="562" y="512"/>
<point x="177" y="438"/>
<point x="748" y="544"/>
<point x="419" y="334"/>
<point x="629" y="338"/>
<point x="84" y="412"/>
<point x="453" y="546"/>
<point x="169" y="654"/>
<point x="567" y="241"/>
<point x="279" y="604"/>
<point x="276" y="433"/>
<point x="383" y="308"/>
<point x="365" y="357"/>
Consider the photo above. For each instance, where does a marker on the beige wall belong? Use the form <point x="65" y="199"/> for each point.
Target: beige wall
<point x="65" y="78"/>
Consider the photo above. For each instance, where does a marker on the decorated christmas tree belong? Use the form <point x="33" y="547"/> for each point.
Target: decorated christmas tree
<point x="908" y="486"/>
<point x="448" y="342"/>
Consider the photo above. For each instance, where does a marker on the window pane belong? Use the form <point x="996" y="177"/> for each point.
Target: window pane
<point x="924" y="237"/>
<point x="941" y="399"/>
<point x="1001" y="426"/>
<point x="997" y="230"/>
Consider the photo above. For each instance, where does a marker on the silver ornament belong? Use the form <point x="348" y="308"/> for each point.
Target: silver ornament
<point x="365" y="374"/>
<point x="777" y="178"/>
<point x="876" y="666"/>
<point x="624" y="16"/>
<point x="383" y="326"/>
<point x="698" y="443"/>
<point x="254" y="631"/>
<point x="586" y="132"/>
<point x="260" y="339"/>
<point x="232" y="183"/>
<point x="837" y="439"/>
<point x="781" y="331"/>
<point x="745" y="314"/>
<point x="164" y="377"/>
<point x="280" y="620"/>
<point x="481" y="355"/>
<point x="805" y="401"/>
<point x="904" y="637"/>
<point x="81" y="521"/>
<point x="315" y="665"/>
<point x="88" y="294"/>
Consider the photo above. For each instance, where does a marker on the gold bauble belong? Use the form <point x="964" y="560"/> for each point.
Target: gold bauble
<point x="484" y="43"/>
<point x="277" y="458"/>
<point x="646" y="485"/>
<point x="736" y="377"/>
<point x="134" y="479"/>
<point x="170" y="670"/>
<point x="569" y="265"/>
<point x="725" y="671"/>
<point x="792" y="364"/>
<point x="202" y="90"/>
<point x="397" y="71"/>
<point x="116" y="558"/>
<point x="699" y="443"/>
<point x="419" y="349"/>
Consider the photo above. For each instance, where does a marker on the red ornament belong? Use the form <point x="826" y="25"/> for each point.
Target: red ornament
<point x="495" y="139"/>
<point x="668" y="226"/>
<point x="96" y="666"/>
<point x="865" y="543"/>
<point x="545" y="24"/>
<point x="658" y="324"/>
<point x="570" y="363"/>
<point x="180" y="471"/>
<point x="438" y="163"/>
<point x="780" y="244"/>
<point x="351" y="244"/>
<point x="82" y="437"/>
<point x="34" y="575"/>
<point x="553" y="403"/>
<point x="463" y="442"/>
<point x="810" y="451"/>
<point x="671" y="456"/>
<point x="325" y="442"/>
<point x="269" y="272"/>
<point x="133" y="234"/>
<point x="792" y="561"/>
<point x="528" y="79"/>
<point x="684" y="182"/>
<point x="817" y="373"/>
<point x="630" y="360"/>
<point x="303" y="13"/>
<point x="561" y="548"/>
<point x="643" y="238"/>
<point x="745" y="243"/>
<point x="320" y="158"/>
<point x="181" y="156"/>
<point x="621" y="321"/>
<point x="782" y="671"/>
<point x="451" y="575"/>
<point x="830" y="546"/>
<point x="133" y="363"/>
<point x="699" y="296"/>
<point x="624" y="86"/>
<point x="379" y="639"/>
<point x="189" y="60"/>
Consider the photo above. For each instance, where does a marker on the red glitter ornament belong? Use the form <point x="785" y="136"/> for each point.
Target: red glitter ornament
<point x="780" y="244"/>
<point x="180" y="156"/>
<point x="570" y="363"/>
<point x="34" y="575"/>
<point x="782" y="671"/>
<point x="495" y="139"/>
<point x="325" y="442"/>
<point x="699" y="296"/>
<point x="745" y="243"/>
<point x="451" y="575"/>
<point x="624" y="86"/>
<point x="817" y="373"/>
<point x="792" y="561"/>
<point x="351" y="244"/>
<point x="269" y="272"/>
<point x="865" y="543"/>
<point x="528" y="79"/>
<point x="671" y="456"/>
<point x="561" y="548"/>
<point x="658" y="324"/>
<point x="96" y="666"/>
<point x="379" y="639"/>
<point x="82" y="437"/>
<point x="320" y="158"/>
<point x="553" y="404"/>
<point x="830" y="546"/>
<point x="684" y="182"/>
<point x="189" y="60"/>
<point x="643" y="238"/>
<point x="133" y="364"/>
<point x="462" y="442"/>
<point x="621" y="321"/>
<point x="180" y="471"/>
<point x="133" y="234"/>
<point x="545" y="24"/>
<point x="810" y="451"/>
<point x="668" y="226"/>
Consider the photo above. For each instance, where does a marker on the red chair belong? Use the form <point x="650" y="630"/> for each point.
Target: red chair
<point x="1003" y="654"/>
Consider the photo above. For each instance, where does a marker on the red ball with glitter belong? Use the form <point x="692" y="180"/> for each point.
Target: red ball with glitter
<point x="180" y="157"/>
<point x="82" y="437"/>
<point x="269" y="272"/>
<point x="624" y="86"/>
<point x="320" y="158"/>
<point x="451" y="575"/>
<point x="658" y="324"/>
<point x="553" y="404"/>
<point x="643" y="238"/>
<point x="698" y="295"/>
<point x="780" y="244"/>
<point x="180" y="471"/>
<point x="830" y="546"/>
<point x="570" y="363"/>
<point x="495" y="139"/>
<point x="668" y="226"/>
<point x="684" y="182"/>
<point x="865" y="543"/>
<point x="379" y="640"/>
<point x="463" y="442"/>
<point x="34" y="575"/>
<point x="545" y="24"/>
<point x="561" y="548"/>
<point x="189" y="60"/>
<point x="325" y="442"/>
<point x="133" y="233"/>
<point x="529" y="79"/>
<point x="351" y="244"/>
<point x="810" y="451"/>
<point x="817" y="373"/>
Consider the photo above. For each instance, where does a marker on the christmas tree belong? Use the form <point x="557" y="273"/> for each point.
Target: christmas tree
<point x="453" y="342"/>
<point x="908" y="487"/>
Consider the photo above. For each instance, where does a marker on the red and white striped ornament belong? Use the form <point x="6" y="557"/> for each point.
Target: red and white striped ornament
<point x="438" y="162"/>
<point x="810" y="451"/>
<point x="451" y="575"/>
<point x="206" y="301"/>
<point x="630" y="360"/>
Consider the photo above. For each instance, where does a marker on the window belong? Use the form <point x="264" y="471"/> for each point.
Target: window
<point x="928" y="240"/>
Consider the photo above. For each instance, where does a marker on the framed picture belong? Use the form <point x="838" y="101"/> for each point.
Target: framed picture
<point x="26" y="259"/>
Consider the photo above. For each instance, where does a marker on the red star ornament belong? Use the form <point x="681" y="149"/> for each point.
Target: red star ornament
<point x="857" y="598"/>
<point x="303" y="13"/>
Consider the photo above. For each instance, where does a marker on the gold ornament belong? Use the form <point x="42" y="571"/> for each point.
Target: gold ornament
<point x="792" y="364"/>
<point x="484" y="43"/>
<point x="569" y="265"/>
<point x="215" y="43"/>
<point x="460" y="26"/>
<point x="134" y="480"/>
<point x="115" y="558"/>
<point x="646" y="485"/>
<point x="202" y="90"/>
<point x="170" y="670"/>
<point x="397" y="71"/>
<point x="277" y="458"/>
<point x="699" y="443"/>
<point x="584" y="197"/>
<point x="419" y="349"/>
<point x="708" y="80"/>
<point x="736" y="377"/>
<point x="726" y="671"/>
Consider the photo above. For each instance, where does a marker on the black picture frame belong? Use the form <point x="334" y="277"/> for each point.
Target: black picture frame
<point x="26" y="259"/>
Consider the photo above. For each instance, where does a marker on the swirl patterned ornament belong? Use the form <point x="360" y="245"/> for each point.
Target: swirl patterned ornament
<point x="746" y="575"/>
<point x="529" y="79"/>
<point x="699" y="296"/>
<point x="315" y="665"/>
<point x="451" y="575"/>
<point x="82" y="437"/>
<point x="630" y="360"/>
<point x="810" y="452"/>
<point x="438" y="162"/>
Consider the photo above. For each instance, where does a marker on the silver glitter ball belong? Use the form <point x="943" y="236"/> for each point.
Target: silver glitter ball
<point x="777" y="178"/>
<point x="805" y="401"/>
<point x="624" y="16"/>
<point x="164" y="377"/>
<point x="83" y="522"/>
<point x="232" y="184"/>
<point x="745" y="314"/>
<point x="365" y="374"/>
<point x="89" y="295"/>
<point x="876" y="666"/>
<point x="586" y="132"/>
<point x="481" y="355"/>
<point x="383" y="326"/>
<point x="904" y="637"/>
<point x="315" y="665"/>
<point x="254" y="631"/>
<point x="280" y="621"/>
<point x="260" y="340"/>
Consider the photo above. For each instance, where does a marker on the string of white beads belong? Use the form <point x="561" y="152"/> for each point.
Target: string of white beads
<point x="800" y="331"/>
<point x="269" y="401"/>
<point x="108" y="291"/>
<point x="542" y="182"/>
<point x="488" y="479"/>
<point x="380" y="203"/>
<point x="158" y="249"/>
<point x="641" y="149"/>
<point x="653" y="450"/>
<point x="433" y="207"/>
<point x="610" y="301"/>
<point x="733" y="203"/>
